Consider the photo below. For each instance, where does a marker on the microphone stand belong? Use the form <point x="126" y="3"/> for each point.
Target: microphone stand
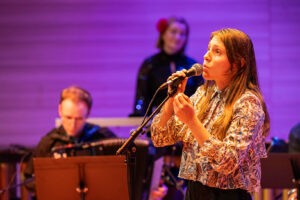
<point x="128" y="147"/>
<point x="2" y="191"/>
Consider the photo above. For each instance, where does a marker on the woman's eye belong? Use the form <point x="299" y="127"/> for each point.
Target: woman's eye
<point x="217" y="51"/>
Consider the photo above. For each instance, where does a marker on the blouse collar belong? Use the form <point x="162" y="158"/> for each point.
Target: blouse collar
<point x="220" y="94"/>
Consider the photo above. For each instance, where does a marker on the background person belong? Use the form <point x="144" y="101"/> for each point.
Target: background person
<point x="172" y="42"/>
<point x="74" y="108"/>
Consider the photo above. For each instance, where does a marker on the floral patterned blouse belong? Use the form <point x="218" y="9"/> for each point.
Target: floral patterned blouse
<point x="231" y="163"/>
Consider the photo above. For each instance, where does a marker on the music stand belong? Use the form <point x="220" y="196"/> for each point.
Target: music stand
<point x="281" y="170"/>
<point x="81" y="177"/>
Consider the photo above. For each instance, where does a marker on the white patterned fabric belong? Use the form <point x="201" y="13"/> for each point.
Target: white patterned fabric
<point x="231" y="163"/>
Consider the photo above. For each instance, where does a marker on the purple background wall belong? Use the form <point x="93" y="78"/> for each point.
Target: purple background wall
<point x="99" y="45"/>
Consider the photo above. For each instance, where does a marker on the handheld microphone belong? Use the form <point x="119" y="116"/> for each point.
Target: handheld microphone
<point x="195" y="70"/>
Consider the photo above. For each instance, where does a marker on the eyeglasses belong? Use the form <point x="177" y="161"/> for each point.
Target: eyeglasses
<point x="76" y="119"/>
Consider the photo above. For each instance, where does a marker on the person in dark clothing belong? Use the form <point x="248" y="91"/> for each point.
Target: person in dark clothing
<point x="74" y="108"/>
<point x="58" y="137"/>
<point x="294" y="139"/>
<point x="294" y="147"/>
<point x="172" y="41"/>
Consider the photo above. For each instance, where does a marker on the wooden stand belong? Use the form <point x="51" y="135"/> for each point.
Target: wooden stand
<point x="281" y="170"/>
<point x="81" y="177"/>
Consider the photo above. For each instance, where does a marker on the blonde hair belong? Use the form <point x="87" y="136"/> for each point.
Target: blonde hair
<point x="77" y="94"/>
<point x="239" y="50"/>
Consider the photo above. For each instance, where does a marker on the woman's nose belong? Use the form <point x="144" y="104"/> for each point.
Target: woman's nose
<point x="206" y="56"/>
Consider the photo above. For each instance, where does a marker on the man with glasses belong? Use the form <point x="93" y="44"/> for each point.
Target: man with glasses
<point x="74" y="108"/>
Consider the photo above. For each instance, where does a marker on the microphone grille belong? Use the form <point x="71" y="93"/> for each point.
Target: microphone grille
<point x="198" y="69"/>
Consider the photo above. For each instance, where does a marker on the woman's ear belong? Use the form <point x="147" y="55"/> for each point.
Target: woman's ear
<point x="242" y="62"/>
<point x="234" y="68"/>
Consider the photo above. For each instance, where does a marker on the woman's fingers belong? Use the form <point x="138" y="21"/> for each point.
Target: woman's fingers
<point x="186" y="98"/>
<point x="180" y="101"/>
<point x="177" y="74"/>
<point x="183" y="108"/>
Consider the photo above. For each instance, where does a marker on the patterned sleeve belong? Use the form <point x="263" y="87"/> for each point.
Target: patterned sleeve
<point x="168" y="135"/>
<point x="174" y="130"/>
<point x="243" y="141"/>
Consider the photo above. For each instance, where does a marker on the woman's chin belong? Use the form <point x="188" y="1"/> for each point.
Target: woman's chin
<point x="205" y="76"/>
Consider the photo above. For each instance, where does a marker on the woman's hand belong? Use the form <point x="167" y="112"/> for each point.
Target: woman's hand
<point x="168" y="109"/>
<point x="183" y="108"/>
<point x="182" y="85"/>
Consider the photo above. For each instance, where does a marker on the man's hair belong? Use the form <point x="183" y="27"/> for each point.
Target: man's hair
<point x="77" y="94"/>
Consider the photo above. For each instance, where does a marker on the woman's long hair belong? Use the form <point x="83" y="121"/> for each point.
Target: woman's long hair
<point x="239" y="49"/>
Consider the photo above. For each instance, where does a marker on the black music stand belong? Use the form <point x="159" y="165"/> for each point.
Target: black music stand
<point x="281" y="170"/>
<point x="81" y="177"/>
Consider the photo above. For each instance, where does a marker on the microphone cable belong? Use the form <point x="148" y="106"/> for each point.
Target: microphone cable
<point x="150" y="104"/>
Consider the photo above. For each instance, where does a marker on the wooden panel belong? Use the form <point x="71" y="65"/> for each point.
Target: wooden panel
<point x="99" y="45"/>
<point x="285" y="61"/>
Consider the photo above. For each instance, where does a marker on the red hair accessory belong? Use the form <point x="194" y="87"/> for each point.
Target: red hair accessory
<point x="162" y="25"/>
